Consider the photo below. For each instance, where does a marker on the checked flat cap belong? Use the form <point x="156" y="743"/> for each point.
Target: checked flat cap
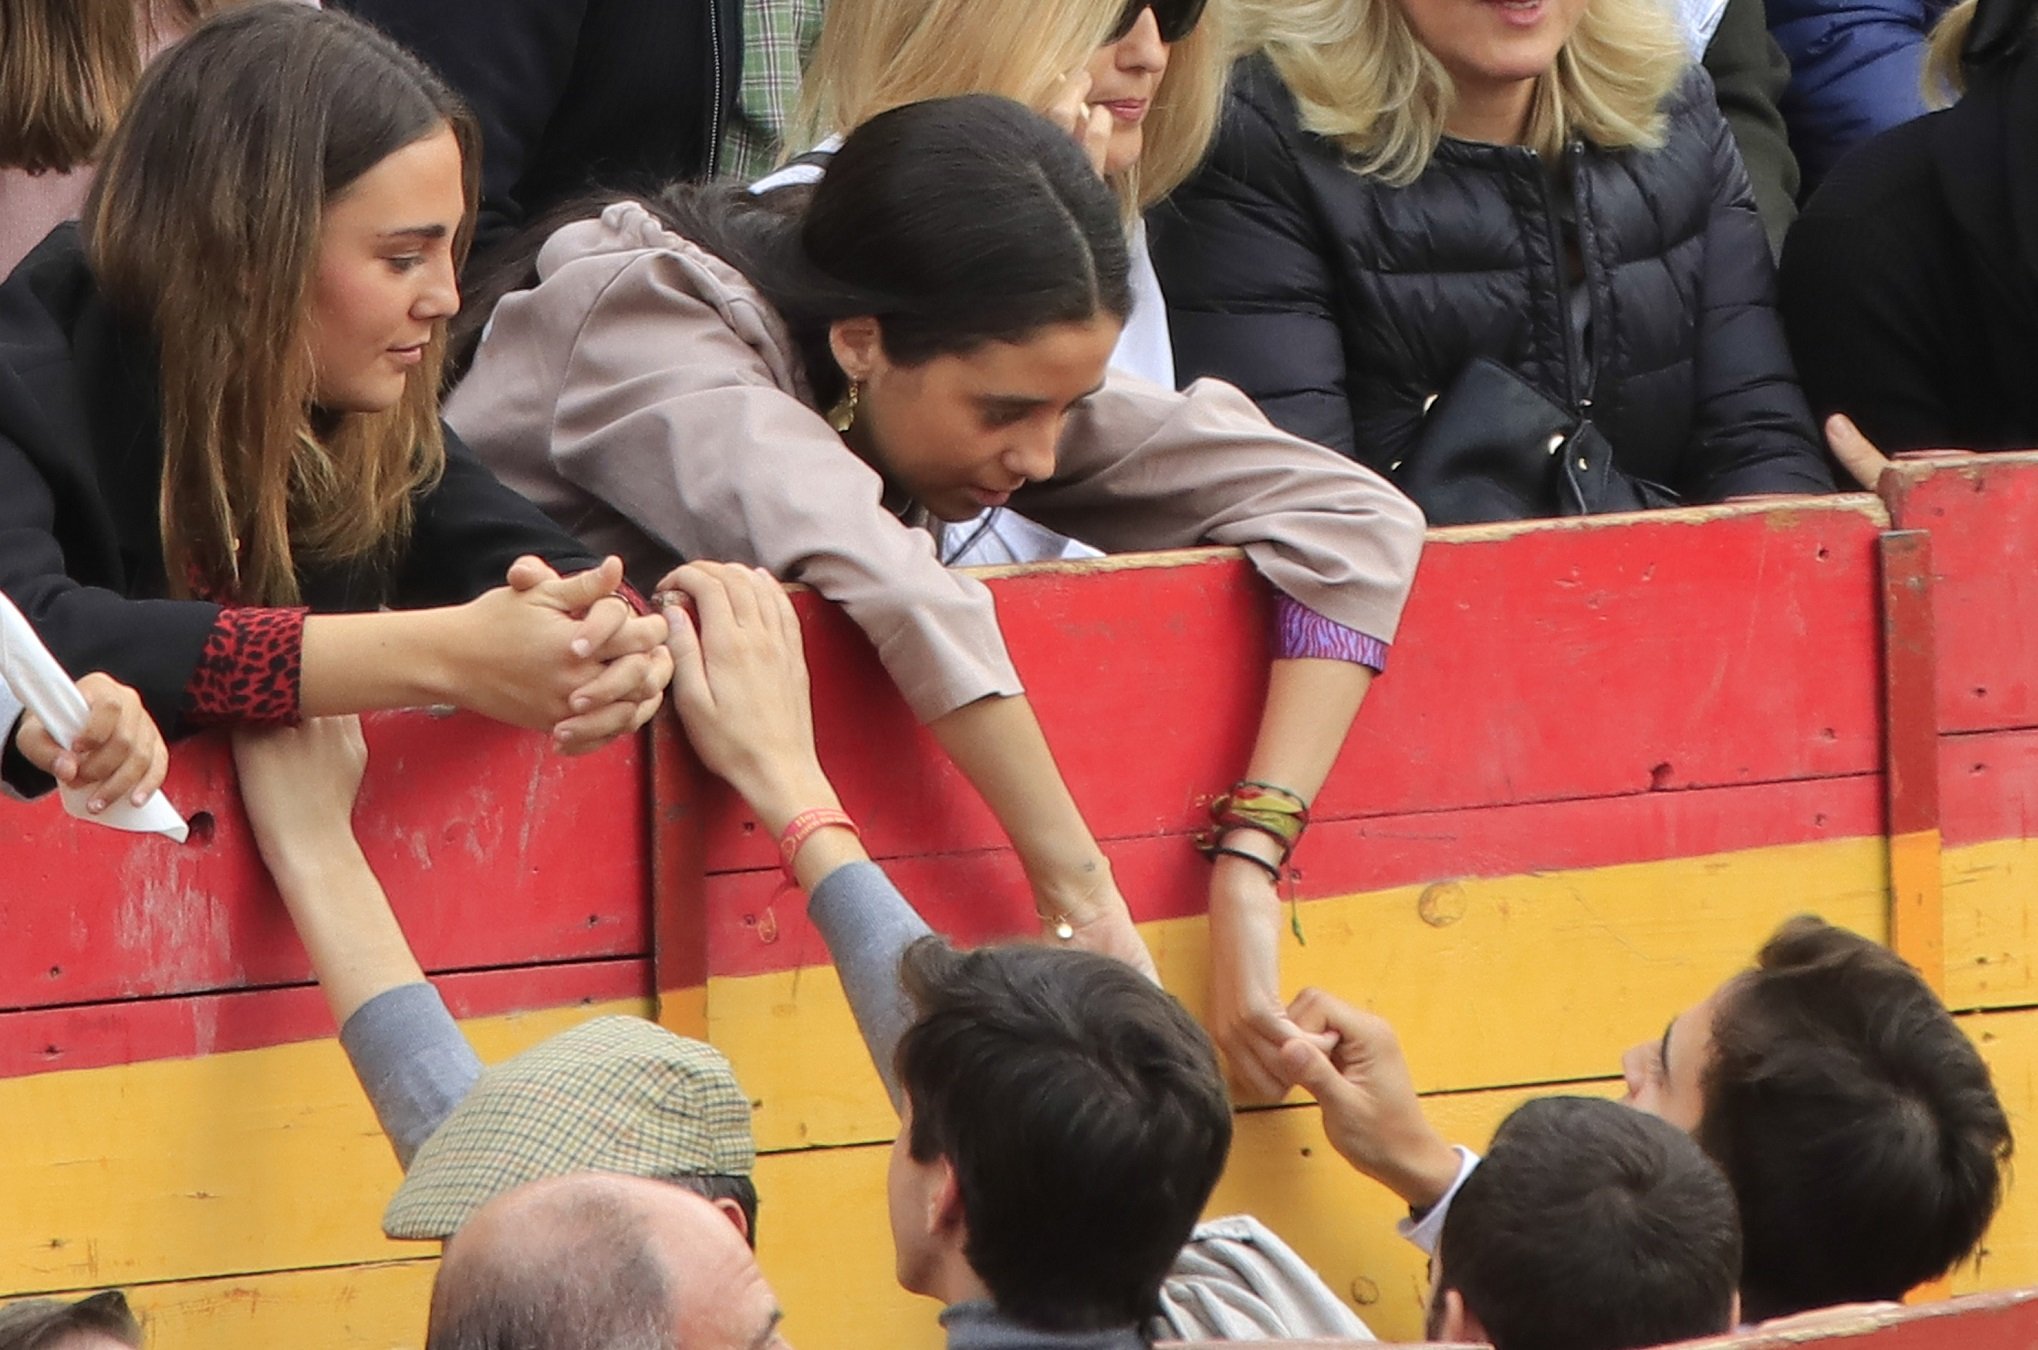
<point x="615" y="1094"/>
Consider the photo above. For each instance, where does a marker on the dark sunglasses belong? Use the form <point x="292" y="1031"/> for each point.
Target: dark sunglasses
<point x="1177" y="18"/>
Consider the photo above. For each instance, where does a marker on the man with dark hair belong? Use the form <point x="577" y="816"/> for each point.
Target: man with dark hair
<point x="1856" y="1123"/>
<point x="1588" y="1227"/>
<point x="1859" y="1126"/>
<point x="600" y="1262"/>
<point x="1064" y="1122"/>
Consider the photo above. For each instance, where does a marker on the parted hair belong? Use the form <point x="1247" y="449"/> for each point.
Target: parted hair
<point x="1362" y="79"/>
<point x="203" y="227"/>
<point x="1592" y="1226"/>
<point x="67" y="71"/>
<point x="44" y="1323"/>
<point x="1083" y="1113"/>
<point x="1857" y="1123"/>
<point x="954" y="222"/>
<point x="876" y="55"/>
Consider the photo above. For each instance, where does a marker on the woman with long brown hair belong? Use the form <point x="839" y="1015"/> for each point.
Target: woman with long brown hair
<point x="223" y="478"/>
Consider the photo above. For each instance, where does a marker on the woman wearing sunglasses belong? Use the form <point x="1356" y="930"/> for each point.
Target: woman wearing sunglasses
<point x="1444" y="236"/>
<point x="805" y="380"/>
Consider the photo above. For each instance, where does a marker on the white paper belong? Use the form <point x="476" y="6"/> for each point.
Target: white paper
<point x="45" y="690"/>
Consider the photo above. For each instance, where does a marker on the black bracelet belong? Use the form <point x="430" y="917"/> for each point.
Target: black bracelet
<point x="1273" y="870"/>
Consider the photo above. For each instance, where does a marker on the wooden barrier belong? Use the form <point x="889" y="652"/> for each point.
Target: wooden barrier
<point x="1609" y="757"/>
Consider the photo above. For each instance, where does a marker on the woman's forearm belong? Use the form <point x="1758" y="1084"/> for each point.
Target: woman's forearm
<point x="356" y="663"/>
<point x="998" y="745"/>
<point x="1309" y="711"/>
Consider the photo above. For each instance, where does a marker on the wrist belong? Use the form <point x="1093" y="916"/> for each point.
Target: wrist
<point x="316" y="862"/>
<point x="1421" y="1172"/>
<point x="1073" y="888"/>
<point x="777" y="798"/>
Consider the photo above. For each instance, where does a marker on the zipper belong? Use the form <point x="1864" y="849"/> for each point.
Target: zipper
<point x="715" y="113"/>
<point x="1579" y="399"/>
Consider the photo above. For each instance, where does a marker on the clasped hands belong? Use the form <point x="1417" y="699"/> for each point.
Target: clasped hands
<point x="569" y="655"/>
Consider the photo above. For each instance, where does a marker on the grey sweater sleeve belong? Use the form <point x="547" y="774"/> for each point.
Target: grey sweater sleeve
<point x="413" y="1061"/>
<point x="868" y="925"/>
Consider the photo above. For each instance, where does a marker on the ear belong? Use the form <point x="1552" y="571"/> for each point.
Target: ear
<point x="733" y="1212"/>
<point x="1458" y="1322"/>
<point x="945" y="1218"/>
<point x="857" y="345"/>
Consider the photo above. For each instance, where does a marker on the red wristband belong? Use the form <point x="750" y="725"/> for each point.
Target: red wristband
<point x="803" y="827"/>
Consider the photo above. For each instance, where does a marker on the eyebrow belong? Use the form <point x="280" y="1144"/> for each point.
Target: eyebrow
<point x="763" y="1338"/>
<point x="416" y="232"/>
<point x="1024" y="401"/>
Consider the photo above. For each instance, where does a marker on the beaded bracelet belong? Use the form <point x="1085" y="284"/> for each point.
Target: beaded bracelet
<point x="803" y="827"/>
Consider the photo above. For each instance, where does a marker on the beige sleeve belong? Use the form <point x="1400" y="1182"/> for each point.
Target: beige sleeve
<point x="1144" y="468"/>
<point x="671" y="417"/>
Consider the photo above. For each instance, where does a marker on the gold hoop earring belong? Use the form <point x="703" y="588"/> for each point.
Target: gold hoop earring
<point x="843" y="415"/>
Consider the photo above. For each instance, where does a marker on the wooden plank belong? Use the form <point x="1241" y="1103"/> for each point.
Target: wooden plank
<point x="192" y="1169"/>
<point x="1498" y="694"/>
<point x="679" y="928"/>
<point x="496" y="852"/>
<point x="48" y="1040"/>
<point x="339" y="1308"/>
<point x="1917" y="919"/>
<point x="2009" y="1254"/>
<point x="756" y="926"/>
<point x="1983" y="517"/>
<point x="1990" y="868"/>
<point x="1639" y="943"/>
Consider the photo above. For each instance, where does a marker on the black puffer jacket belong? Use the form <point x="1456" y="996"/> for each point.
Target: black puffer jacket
<point x="1341" y="304"/>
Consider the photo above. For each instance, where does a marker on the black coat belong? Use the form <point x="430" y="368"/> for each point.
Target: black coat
<point x="571" y="94"/>
<point x="1341" y="303"/>
<point x="81" y="550"/>
<point x="1910" y="284"/>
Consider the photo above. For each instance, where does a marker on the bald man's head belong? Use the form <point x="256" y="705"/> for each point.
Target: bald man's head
<point x="598" y="1262"/>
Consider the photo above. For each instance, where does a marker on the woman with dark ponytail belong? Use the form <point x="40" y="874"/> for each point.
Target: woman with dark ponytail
<point x="1910" y="283"/>
<point x="801" y="380"/>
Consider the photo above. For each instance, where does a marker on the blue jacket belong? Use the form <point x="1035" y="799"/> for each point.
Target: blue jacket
<point x="1854" y="71"/>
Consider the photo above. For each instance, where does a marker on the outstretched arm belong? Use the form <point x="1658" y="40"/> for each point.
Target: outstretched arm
<point x="298" y="785"/>
<point x="740" y="688"/>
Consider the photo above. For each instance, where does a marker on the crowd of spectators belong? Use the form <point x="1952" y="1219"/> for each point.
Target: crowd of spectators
<point x="512" y="356"/>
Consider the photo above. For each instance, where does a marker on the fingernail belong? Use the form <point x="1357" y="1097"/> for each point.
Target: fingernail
<point x="96" y="806"/>
<point x="140" y="797"/>
<point x="562" y="735"/>
<point x="581" y="647"/>
<point x="580" y="703"/>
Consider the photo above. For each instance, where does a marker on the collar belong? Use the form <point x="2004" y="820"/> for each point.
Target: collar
<point x="978" y="1325"/>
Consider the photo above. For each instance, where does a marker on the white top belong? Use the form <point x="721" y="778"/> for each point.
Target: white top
<point x="1428" y="1231"/>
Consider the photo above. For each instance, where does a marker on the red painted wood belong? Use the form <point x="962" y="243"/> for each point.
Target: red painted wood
<point x="1910" y="687"/>
<point x="495" y="853"/>
<point x="755" y="926"/>
<point x="1983" y="516"/>
<point x="679" y="954"/>
<point x="1550" y="663"/>
<point x="1990" y="785"/>
<point x="48" y="1040"/>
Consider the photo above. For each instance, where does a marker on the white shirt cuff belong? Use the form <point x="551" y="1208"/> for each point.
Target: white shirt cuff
<point x="1428" y="1230"/>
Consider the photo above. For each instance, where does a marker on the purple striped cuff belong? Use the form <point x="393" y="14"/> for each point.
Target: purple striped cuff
<point x="1300" y="631"/>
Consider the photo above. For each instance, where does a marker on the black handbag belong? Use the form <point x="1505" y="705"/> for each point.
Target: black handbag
<point x="1493" y="447"/>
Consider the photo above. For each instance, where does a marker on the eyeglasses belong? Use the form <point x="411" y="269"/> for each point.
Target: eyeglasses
<point x="1176" y="18"/>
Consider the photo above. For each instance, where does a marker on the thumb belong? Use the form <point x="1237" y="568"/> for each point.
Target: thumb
<point x="1856" y="453"/>
<point x="528" y="571"/>
<point x="579" y="592"/>
<point x="1309" y="1068"/>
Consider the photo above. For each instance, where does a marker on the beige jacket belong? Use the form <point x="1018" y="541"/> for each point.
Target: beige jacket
<point x="646" y="396"/>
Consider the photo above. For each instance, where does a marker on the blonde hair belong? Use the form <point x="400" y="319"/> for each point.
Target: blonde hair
<point x="204" y="225"/>
<point x="67" y="70"/>
<point x="876" y="55"/>
<point x="1363" y="80"/>
<point x="1945" y="74"/>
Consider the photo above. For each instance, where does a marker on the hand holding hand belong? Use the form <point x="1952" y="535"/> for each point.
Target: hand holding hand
<point x="299" y="785"/>
<point x="1246" y="1013"/>
<point x="120" y="753"/>
<point x="636" y="667"/>
<point x="1371" y="1113"/>
<point x="740" y="686"/>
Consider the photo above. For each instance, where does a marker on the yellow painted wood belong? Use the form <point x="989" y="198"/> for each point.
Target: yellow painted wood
<point x="2009" y="1255"/>
<point x="375" y="1307"/>
<point x="1492" y="982"/>
<point x="184" y="1169"/>
<point x="1991" y="902"/>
